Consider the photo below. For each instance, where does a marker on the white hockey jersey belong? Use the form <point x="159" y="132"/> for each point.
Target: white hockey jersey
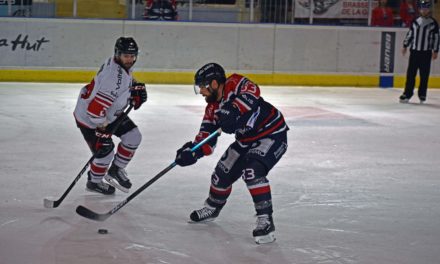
<point x="102" y="100"/>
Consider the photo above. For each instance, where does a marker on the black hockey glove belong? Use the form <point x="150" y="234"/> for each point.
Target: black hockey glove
<point x="104" y="143"/>
<point x="228" y="117"/>
<point x="185" y="156"/>
<point x="138" y="95"/>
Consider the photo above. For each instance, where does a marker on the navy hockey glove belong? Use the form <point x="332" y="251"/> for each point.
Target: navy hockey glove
<point x="138" y="95"/>
<point x="185" y="156"/>
<point x="104" y="143"/>
<point x="228" y="117"/>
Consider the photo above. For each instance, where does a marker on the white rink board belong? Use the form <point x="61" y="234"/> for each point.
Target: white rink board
<point x="180" y="46"/>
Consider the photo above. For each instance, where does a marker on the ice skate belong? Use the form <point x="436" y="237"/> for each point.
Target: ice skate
<point x="99" y="187"/>
<point x="117" y="177"/>
<point x="206" y="214"/>
<point x="403" y="99"/>
<point x="265" y="231"/>
<point x="422" y="100"/>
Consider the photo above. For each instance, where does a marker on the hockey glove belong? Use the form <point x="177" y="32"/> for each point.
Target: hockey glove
<point x="185" y="156"/>
<point x="104" y="143"/>
<point x="138" y="95"/>
<point x="228" y="117"/>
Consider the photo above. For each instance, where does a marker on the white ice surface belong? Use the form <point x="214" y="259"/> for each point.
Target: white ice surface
<point x="360" y="182"/>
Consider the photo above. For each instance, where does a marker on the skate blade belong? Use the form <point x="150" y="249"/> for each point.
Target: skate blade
<point x="201" y="222"/>
<point x="269" y="238"/>
<point x="97" y="192"/>
<point x="115" y="184"/>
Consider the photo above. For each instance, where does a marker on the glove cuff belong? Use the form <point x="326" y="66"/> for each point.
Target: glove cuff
<point x="198" y="153"/>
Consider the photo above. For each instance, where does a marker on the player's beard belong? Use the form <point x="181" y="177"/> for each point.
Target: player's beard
<point x="127" y="65"/>
<point x="212" y="97"/>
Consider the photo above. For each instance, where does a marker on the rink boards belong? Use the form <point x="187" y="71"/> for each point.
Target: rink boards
<point x="70" y="50"/>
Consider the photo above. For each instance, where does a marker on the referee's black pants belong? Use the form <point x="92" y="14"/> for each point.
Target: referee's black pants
<point x="418" y="60"/>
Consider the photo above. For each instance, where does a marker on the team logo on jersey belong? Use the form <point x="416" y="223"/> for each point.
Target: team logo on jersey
<point x="248" y="99"/>
<point x="242" y="131"/>
<point x="119" y="80"/>
<point x="263" y="147"/>
<point x="228" y="160"/>
<point x="281" y="150"/>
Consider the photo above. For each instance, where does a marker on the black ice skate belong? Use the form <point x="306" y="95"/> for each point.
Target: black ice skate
<point x="264" y="232"/>
<point x="117" y="177"/>
<point x="99" y="187"/>
<point x="403" y="99"/>
<point x="206" y="214"/>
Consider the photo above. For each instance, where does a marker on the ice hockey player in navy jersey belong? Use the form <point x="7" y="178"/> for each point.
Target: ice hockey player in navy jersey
<point x="99" y="105"/>
<point x="235" y="106"/>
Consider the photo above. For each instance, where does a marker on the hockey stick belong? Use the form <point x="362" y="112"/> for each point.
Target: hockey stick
<point x="54" y="204"/>
<point x="87" y="213"/>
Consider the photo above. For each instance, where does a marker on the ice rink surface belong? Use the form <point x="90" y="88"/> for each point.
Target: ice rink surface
<point x="359" y="183"/>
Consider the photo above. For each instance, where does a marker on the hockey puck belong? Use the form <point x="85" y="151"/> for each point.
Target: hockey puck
<point x="102" y="231"/>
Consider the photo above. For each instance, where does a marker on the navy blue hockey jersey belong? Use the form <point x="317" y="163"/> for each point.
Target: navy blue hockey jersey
<point x="258" y="118"/>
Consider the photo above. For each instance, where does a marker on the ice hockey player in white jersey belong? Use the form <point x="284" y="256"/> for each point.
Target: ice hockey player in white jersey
<point x="100" y="103"/>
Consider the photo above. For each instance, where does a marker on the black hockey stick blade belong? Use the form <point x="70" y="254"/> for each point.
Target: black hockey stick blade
<point x="87" y="213"/>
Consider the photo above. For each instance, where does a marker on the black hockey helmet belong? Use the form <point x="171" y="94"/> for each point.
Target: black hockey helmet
<point x="424" y="4"/>
<point x="126" y="45"/>
<point x="209" y="72"/>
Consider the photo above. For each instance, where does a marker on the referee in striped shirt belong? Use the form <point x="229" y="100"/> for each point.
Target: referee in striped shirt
<point x="423" y="42"/>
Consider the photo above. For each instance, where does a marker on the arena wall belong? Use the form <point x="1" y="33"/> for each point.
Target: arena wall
<point x="71" y="50"/>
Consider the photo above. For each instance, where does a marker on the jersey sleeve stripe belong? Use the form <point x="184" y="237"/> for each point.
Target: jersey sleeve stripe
<point x="105" y="99"/>
<point x="207" y="148"/>
<point x="242" y="105"/>
<point x="95" y="109"/>
<point x="269" y="117"/>
<point x="206" y="121"/>
<point x="274" y="120"/>
<point x="99" y="105"/>
<point x="104" y="104"/>
<point x="264" y="133"/>
<point x="106" y="96"/>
